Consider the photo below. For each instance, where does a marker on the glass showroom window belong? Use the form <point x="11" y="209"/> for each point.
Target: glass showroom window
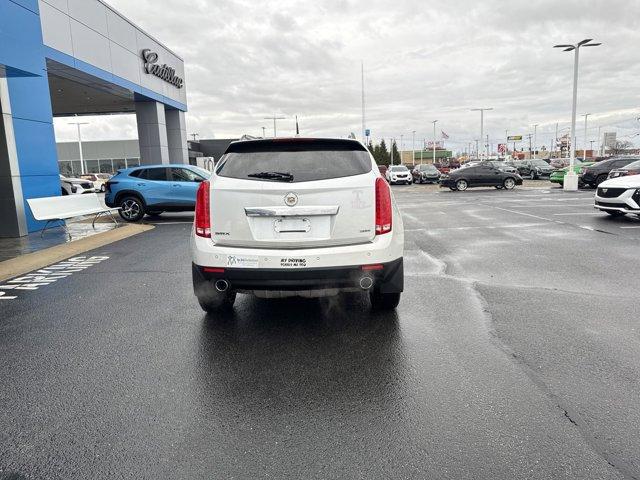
<point x="119" y="163"/>
<point x="65" y="168"/>
<point x="91" y="166"/>
<point x="106" y="166"/>
<point x="133" y="162"/>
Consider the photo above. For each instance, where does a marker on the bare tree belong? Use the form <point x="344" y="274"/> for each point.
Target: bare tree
<point x="621" y="146"/>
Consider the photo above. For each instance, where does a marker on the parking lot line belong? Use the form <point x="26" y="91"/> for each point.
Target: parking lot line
<point x="637" y="226"/>
<point x="576" y="213"/>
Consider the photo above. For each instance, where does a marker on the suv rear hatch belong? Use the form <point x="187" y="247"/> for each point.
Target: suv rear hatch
<point x="293" y="193"/>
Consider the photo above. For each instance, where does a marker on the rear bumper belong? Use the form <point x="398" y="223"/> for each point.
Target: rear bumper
<point x="388" y="279"/>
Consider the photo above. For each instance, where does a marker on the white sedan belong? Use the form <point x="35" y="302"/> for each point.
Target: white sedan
<point x="619" y="196"/>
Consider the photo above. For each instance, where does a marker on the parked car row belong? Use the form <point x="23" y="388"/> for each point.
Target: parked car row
<point x="592" y="174"/>
<point x="86" y="183"/>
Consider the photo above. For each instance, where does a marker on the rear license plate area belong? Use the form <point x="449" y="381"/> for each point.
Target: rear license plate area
<point x="292" y="225"/>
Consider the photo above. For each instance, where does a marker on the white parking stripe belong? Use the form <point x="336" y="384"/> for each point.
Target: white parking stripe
<point x="632" y="227"/>
<point x="576" y="213"/>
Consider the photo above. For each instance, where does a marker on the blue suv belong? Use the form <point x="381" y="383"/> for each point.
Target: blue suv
<point x="153" y="189"/>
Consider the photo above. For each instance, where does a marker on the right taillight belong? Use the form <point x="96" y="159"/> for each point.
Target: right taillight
<point x="203" y="215"/>
<point x="383" y="207"/>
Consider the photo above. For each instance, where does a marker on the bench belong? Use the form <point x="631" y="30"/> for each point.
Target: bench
<point x="59" y="209"/>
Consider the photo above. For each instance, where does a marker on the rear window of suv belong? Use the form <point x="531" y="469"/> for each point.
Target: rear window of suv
<point x="294" y="160"/>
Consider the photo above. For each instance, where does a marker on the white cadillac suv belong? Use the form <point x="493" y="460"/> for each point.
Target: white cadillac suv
<point x="296" y="217"/>
<point x="619" y="196"/>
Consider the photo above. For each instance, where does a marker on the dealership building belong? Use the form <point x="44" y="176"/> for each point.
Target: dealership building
<point x="78" y="57"/>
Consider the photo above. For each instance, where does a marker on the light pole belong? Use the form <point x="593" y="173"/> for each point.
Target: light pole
<point x="434" y="140"/>
<point x="392" y="142"/>
<point x="599" y="142"/>
<point x="584" y="148"/>
<point x="274" y="118"/>
<point x="571" y="178"/>
<point x="477" y="152"/>
<point x="506" y="143"/>
<point x="401" y="144"/>
<point x="264" y="135"/>
<point x="482" y="110"/>
<point x="535" y="140"/>
<point x="413" y="147"/>
<point x="77" y="124"/>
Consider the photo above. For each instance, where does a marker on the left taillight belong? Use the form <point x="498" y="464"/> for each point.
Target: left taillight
<point x="383" y="207"/>
<point x="203" y="211"/>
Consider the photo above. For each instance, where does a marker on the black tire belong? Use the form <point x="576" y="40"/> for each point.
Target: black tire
<point x="532" y="175"/>
<point x="384" y="301"/>
<point x="462" y="185"/>
<point x="213" y="301"/>
<point x="64" y="192"/>
<point x="131" y="208"/>
<point x="615" y="213"/>
<point x="453" y="189"/>
<point x="599" y="179"/>
<point x="103" y="188"/>
<point x="498" y="187"/>
<point x="509" y="183"/>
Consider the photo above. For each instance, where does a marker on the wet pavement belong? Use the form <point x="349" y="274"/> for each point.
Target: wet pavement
<point x="513" y="354"/>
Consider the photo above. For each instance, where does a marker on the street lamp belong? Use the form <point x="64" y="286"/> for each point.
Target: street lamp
<point x="434" y="140"/>
<point x="413" y="148"/>
<point x="78" y="124"/>
<point x="584" y="151"/>
<point x="571" y="178"/>
<point x="482" y="110"/>
<point x="535" y="140"/>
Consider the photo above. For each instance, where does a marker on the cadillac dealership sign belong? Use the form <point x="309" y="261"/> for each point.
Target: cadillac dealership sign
<point x="164" y="72"/>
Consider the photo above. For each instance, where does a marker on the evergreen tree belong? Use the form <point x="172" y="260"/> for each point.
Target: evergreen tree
<point x="396" y="154"/>
<point x="383" y="154"/>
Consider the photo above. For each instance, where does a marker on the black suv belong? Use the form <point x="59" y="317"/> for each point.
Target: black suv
<point x="598" y="172"/>
<point x="534" y="168"/>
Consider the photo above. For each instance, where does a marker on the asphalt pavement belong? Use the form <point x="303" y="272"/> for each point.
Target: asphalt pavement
<point x="514" y="354"/>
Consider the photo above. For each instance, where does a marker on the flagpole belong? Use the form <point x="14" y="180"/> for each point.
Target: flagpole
<point x="434" y="140"/>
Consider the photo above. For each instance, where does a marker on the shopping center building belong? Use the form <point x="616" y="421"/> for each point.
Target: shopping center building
<point x="77" y="57"/>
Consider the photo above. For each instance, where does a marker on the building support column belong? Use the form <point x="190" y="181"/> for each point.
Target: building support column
<point x="152" y="133"/>
<point x="13" y="222"/>
<point x="177" y="136"/>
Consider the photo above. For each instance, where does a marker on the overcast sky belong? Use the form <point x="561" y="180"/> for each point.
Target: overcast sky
<point x="424" y="61"/>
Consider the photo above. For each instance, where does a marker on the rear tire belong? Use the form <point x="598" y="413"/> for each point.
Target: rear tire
<point x="453" y="189"/>
<point x="384" y="301"/>
<point x="462" y="185"/>
<point x="212" y="301"/>
<point x="131" y="208"/>
<point x="498" y="187"/>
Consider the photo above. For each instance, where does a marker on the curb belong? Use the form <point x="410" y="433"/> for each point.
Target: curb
<point x="43" y="258"/>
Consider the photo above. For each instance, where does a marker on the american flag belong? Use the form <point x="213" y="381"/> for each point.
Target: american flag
<point x="444" y="135"/>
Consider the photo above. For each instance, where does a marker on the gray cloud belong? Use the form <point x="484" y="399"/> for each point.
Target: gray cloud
<point x="424" y="60"/>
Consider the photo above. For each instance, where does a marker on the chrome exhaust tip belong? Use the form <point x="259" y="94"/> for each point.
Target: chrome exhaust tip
<point x="366" y="283"/>
<point x="221" y="285"/>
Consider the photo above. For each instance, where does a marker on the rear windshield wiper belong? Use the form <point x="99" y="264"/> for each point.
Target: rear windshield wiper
<point x="282" y="176"/>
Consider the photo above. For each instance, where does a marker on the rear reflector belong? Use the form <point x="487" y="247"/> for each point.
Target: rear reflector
<point x="383" y="207"/>
<point x="203" y="216"/>
<point x="212" y="270"/>
<point x="368" y="268"/>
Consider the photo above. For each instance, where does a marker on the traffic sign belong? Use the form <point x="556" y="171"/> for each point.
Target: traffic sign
<point x="515" y="138"/>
